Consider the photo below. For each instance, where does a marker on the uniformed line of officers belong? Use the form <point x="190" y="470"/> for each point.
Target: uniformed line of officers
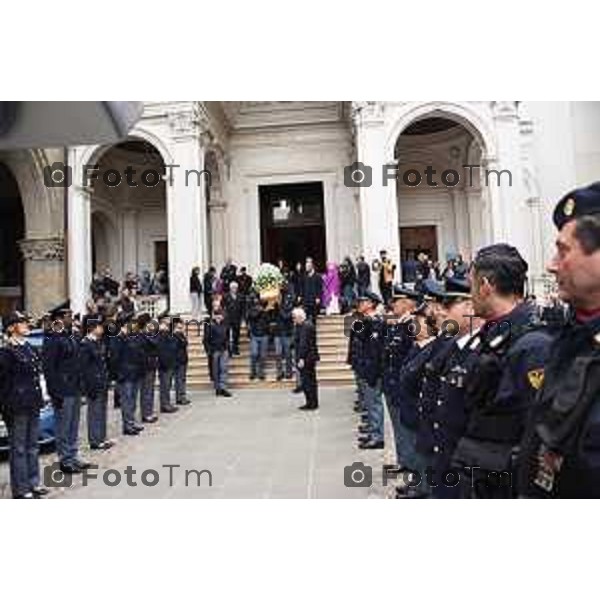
<point x="457" y="386"/>
<point x="127" y="352"/>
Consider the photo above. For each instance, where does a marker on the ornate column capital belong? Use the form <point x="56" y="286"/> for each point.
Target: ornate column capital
<point x="44" y="249"/>
<point x="364" y="112"/>
<point x="190" y="121"/>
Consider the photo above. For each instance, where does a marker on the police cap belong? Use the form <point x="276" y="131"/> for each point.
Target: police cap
<point x="578" y="203"/>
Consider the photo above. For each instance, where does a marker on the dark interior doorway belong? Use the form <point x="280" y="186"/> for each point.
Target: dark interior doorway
<point x="414" y="240"/>
<point x="292" y="220"/>
<point x="12" y="231"/>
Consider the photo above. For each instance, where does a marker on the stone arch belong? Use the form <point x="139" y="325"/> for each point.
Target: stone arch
<point x="42" y="246"/>
<point x="460" y="113"/>
<point x="456" y="219"/>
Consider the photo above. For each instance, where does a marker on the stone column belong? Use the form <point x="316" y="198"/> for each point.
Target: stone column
<point x="218" y="233"/>
<point x="186" y="205"/>
<point x="79" y="246"/>
<point x="44" y="273"/>
<point x="130" y="241"/>
<point x="378" y="202"/>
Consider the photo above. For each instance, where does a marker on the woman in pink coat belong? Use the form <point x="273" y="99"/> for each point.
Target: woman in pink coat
<point x="331" y="289"/>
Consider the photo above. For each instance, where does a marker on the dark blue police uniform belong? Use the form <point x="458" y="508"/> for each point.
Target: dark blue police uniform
<point x="20" y="404"/>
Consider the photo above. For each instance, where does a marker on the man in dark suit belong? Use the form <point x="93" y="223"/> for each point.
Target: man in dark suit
<point x="234" y="308"/>
<point x="312" y="288"/>
<point x="307" y="356"/>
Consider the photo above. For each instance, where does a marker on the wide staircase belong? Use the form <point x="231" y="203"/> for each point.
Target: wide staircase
<point x="331" y="370"/>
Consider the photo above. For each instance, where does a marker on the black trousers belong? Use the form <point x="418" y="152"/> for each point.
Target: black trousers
<point x="234" y="330"/>
<point x="308" y="381"/>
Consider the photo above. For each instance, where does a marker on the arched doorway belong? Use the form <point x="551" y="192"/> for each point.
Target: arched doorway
<point x="12" y="231"/>
<point x="128" y="206"/>
<point x="441" y="209"/>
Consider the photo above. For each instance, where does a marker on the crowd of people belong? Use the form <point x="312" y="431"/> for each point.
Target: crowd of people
<point x="489" y="396"/>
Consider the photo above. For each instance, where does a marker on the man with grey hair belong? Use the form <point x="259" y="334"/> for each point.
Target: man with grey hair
<point x="307" y="356"/>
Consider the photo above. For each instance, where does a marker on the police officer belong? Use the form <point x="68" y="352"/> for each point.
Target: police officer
<point x="20" y="404"/>
<point x="181" y="361"/>
<point x="397" y="345"/>
<point x="130" y="367"/>
<point x="445" y="419"/>
<point x="166" y="349"/>
<point x="370" y="370"/>
<point x="561" y="448"/>
<point x="511" y="352"/>
<point x="61" y="362"/>
<point x="94" y="375"/>
<point x="419" y="383"/>
<point x="148" y="333"/>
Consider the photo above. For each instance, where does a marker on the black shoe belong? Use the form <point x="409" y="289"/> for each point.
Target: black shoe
<point x="183" y="402"/>
<point x="138" y="427"/>
<point x="151" y="419"/>
<point x="363" y="439"/>
<point x="40" y="492"/>
<point x="364" y="429"/>
<point x="107" y="445"/>
<point x="262" y="377"/>
<point x="169" y="409"/>
<point x="252" y="377"/>
<point x="82" y="464"/>
<point x="71" y="469"/>
<point x="304" y="407"/>
<point x="371" y="445"/>
<point x="226" y="393"/>
<point x="297" y="390"/>
<point x="131" y="432"/>
<point x="279" y="376"/>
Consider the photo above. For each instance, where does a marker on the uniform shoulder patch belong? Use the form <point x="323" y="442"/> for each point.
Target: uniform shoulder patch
<point x="536" y="378"/>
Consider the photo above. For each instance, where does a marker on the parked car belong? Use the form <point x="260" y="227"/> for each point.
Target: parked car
<point x="47" y="416"/>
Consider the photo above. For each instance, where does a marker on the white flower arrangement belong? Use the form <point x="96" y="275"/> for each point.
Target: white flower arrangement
<point x="267" y="277"/>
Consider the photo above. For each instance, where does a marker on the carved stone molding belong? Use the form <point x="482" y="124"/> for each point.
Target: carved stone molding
<point x="366" y="111"/>
<point x="505" y="109"/>
<point x="43" y="249"/>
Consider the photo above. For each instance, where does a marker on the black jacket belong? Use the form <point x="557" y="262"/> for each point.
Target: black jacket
<point x="60" y="352"/>
<point x="181" y="354"/>
<point x="94" y="370"/>
<point x="306" y="344"/>
<point x="195" y="284"/>
<point x="234" y="308"/>
<point x="312" y="288"/>
<point x="258" y="319"/>
<point x="130" y="358"/>
<point x="166" y="350"/>
<point x="20" y="390"/>
<point x="216" y="337"/>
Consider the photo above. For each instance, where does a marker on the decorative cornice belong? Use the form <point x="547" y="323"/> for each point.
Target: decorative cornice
<point x="505" y="109"/>
<point x="44" y="249"/>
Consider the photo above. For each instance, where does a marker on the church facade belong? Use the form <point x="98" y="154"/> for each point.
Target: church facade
<point x="197" y="183"/>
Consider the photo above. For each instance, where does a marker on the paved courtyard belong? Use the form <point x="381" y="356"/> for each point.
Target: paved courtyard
<point x="255" y="445"/>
